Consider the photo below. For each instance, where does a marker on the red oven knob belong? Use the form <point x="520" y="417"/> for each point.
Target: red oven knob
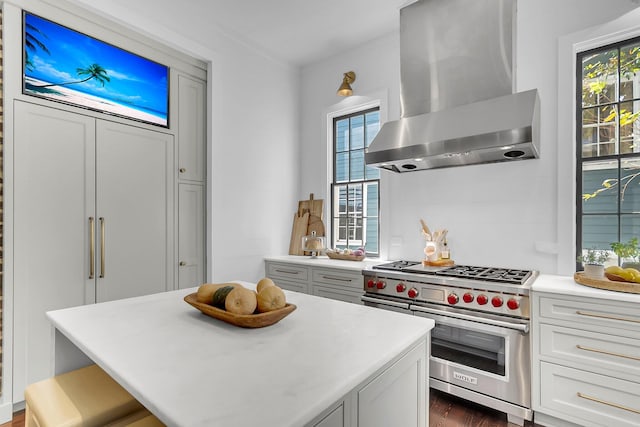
<point x="496" y="302"/>
<point x="482" y="299"/>
<point x="452" y="299"/>
<point x="413" y="292"/>
<point x="381" y="285"/>
<point x="401" y="287"/>
<point x="371" y="283"/>
<point x="513" y="304"/>
<point x="467" y="297"/>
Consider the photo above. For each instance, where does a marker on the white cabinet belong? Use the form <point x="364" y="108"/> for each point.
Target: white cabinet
<point x="191" y="129"/>
<point x="395" y="396"/>
<point x="192" y="171"/>
<point x="391" y="399"/>
<point x="337" y="284"/>
<point x="93" y="221"/>
<point x="191" y="226"/>
<point x="134" y="211"/>
<point x="334" y="283"/>
<point x="586" y="361"/>
<point x="290" y="276"/>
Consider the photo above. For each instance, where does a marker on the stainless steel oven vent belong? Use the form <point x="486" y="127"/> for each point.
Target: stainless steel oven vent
<point x="458" y="105"/>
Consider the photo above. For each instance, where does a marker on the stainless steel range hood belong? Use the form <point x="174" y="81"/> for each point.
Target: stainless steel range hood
<point x="458" y="105"/>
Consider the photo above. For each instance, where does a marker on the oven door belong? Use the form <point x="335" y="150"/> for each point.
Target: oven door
<point x="386" y="304"/>
<point x="480" y="353"/>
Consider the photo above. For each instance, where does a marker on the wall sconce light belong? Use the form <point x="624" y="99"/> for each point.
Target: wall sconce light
<point x="345" y="87"/>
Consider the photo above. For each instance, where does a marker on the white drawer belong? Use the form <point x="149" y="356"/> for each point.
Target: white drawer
<point x="592" y="350"/>
<point x="287" y="271"/>
<point x="589" y="399"/>
<point x="338" y="293"/>
<point x="302" y="287"/>
<point x="338" y="278"/>
<point x="619" y="318"/>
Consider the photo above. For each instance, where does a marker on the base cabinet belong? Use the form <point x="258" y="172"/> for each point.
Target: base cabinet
<point x="586" y="362"/>
<point x="395" y="396"/>
<point x="333" y="283"/>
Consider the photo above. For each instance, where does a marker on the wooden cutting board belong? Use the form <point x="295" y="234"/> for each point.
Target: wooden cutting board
<point x="315" y="208"/>
<point x="607" y="284"/>
<point x="299" y="230"/>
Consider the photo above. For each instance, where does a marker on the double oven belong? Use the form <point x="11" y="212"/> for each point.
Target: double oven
<point x="480" y="346"/>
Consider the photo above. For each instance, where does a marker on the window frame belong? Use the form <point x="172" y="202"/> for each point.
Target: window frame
<point x="334" y="184"/>
<point x="618" y="158"/>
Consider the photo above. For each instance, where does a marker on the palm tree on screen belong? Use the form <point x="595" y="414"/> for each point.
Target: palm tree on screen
<point x="93" y="71"/>
<point x="32" y="42"/>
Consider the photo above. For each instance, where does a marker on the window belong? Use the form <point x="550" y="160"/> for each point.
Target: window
<point x="355" y="189"/>
<point x="608" y="148"/>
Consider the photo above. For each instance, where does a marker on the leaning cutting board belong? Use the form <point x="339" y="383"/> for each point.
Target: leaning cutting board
<point x="299" y="230"/>
<point x="315" y="209"/>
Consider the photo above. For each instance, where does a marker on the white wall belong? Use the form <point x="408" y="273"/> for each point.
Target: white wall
<point x="497" y="214"/>
<point x="254" y="152"/>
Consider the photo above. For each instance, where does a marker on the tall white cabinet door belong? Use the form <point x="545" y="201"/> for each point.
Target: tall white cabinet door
<point x="135" y="191"/>
<point x="191" y="128"/>
<point x="190" y="235"/>
<point x="54" y="197"/>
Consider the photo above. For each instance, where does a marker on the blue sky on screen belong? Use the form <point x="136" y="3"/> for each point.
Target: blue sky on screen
<point x="134" y="81"/>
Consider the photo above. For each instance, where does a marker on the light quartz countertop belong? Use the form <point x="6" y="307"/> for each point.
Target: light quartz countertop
<point x="324" y="261"/>
<point x="193" y="370"/>
<point x="565" y="285"/>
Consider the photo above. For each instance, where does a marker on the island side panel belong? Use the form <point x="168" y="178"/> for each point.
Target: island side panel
<point x="67" y="357"/>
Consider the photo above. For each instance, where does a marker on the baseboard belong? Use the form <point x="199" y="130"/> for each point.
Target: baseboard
<point x="6" y="412"/>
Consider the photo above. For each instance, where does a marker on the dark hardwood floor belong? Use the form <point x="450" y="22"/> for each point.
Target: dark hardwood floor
<point x="444" y="411"/>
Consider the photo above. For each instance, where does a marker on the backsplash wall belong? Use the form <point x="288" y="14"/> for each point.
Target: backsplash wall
<point x="497" y="214"/>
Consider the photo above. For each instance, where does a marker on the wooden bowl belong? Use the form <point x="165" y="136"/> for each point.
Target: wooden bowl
<point x="258" y="320"/>
<point x="334" y="255"/>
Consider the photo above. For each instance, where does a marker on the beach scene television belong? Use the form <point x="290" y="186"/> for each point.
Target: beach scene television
<point x="67" y="66"/>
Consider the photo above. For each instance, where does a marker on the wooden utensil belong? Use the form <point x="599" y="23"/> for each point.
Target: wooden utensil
<point x="425" y="229"/>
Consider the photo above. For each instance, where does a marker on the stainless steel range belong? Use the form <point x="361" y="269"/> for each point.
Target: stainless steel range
<point x="480" y="347"/>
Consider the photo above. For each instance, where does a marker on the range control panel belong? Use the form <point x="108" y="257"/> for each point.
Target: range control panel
<point x="491" y="301"/>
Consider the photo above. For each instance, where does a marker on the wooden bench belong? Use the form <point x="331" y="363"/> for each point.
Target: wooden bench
<point x="85" y="397"/>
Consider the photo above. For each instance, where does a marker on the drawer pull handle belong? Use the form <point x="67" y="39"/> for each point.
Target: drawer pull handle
<point x="610" y="353"/>
<point x="342" y="279"/>
<point x="287" y="271"/>
<point x="604" y="402"/>
<point x="606" y="316"/>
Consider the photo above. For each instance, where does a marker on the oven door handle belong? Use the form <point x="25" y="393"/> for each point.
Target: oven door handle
<point x="384" y="302"/>
<point x="524" y="328"/>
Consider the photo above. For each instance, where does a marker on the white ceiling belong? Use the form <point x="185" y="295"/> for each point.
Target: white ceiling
<point x="303" y="31"/>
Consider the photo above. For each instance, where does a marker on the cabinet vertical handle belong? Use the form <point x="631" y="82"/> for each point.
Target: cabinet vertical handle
<point x="101" y="247"/>
<point x="92" y="247"/>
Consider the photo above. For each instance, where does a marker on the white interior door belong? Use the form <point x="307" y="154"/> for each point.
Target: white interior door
<point x="54" y="197"/>
<point x="135" y="190"/>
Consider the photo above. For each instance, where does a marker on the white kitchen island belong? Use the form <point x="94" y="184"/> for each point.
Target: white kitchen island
<point x="329" y="363"/>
